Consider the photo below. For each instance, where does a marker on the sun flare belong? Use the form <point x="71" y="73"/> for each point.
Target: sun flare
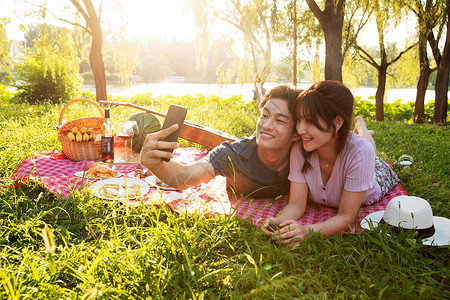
<point x="166" y="20"/>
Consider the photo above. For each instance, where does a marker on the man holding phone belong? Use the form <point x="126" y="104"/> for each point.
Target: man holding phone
<point x="257" y="166"/>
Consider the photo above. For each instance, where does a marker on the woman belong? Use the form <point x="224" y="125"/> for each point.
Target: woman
<point x="330" y="165"/>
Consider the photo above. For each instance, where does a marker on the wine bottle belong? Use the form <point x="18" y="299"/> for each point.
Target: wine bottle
<point x="107" y="133"/>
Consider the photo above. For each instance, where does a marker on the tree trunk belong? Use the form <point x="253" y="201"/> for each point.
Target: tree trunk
<point x="381" y="89"/>
<point x="422" y="85"/>
<point x="294" y="64"/>
<point x="331" y="20"/>
<point x="424" y="75"/>
<point x="333" y="54"/>
<point x="441" y="88"/>
<point x="95" y="56"/>
<point x="98" y="68"/>
<point x="294" y="54"/>
<point x="441" y="102"/>
<point x="96" y="60"/>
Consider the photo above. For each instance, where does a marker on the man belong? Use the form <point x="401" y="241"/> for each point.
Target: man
<point x="257" y="166"/>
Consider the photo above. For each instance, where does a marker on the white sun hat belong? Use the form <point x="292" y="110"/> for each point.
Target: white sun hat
<point x="412" y="213"/>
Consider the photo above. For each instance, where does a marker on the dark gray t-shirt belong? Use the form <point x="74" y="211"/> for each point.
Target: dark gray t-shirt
<point x="245" y="173"/>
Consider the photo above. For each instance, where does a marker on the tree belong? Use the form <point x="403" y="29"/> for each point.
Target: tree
<point x="383" y="15"/>
<point x="121" y="56"/>
<point x="95" y="57"/>
<point x="427" y="15"/>
<point x="4" y="46"/>
<point x="49" y="72"/>
<point x="443" y="65"/>
<point x="251" y="18"/>
<point x="295" y="27"/>
<point x="155" y="67"/>
<point x="93" y="27"/>
<point x="331" y="19"/>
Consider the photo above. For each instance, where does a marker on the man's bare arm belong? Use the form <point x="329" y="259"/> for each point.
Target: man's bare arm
<point x="172" y="173"/>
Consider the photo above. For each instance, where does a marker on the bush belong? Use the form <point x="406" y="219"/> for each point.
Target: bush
<point x="395" y="111"/>
<point x="5" y="77"/>
<point x="50" y="72"/>
<point x="5" y="96"/>
<point x="89" y="77"/>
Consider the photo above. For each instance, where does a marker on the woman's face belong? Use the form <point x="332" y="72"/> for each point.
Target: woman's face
<point x="313" y="137"/>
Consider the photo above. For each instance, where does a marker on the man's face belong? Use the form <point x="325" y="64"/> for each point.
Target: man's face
<point x="275" y="128"/>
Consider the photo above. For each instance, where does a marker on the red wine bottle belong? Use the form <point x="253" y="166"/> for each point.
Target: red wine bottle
<point x="107" y="133"/>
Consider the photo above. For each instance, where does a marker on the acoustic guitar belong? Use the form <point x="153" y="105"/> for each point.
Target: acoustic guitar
<point x="205" y="136"/>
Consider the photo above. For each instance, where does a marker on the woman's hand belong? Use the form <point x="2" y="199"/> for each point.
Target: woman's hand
<point x="291" y="233"/>
<point x="270" y="222"/>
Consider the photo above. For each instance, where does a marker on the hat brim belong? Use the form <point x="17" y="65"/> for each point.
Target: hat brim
<point x="441" y="235"/>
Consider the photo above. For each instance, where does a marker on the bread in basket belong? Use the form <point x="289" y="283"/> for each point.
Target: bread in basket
<point x="78" y="151"/>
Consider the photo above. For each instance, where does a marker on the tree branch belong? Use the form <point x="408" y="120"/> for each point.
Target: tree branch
<point x="351" y="38"/>
<point x="90" y="9"/>
<point x="315" y="9"/>
<point x="401" y="53"/>
<point x="60" y="19"/>
<point x="434" y="47"/>
<point x="367" y="57"/>
<point x="81" y="11"/>
<point x="249" y="33"/>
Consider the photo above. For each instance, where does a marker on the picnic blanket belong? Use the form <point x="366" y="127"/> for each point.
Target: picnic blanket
<point x="57" y="173"/>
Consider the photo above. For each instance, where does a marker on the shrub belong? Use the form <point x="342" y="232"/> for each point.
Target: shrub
<point x="5" y="96"/>
<point x="50" y="72"/>
<point x="89" y="77"/>
<point x="5" y="77"/>
<point x="395" y="111"/>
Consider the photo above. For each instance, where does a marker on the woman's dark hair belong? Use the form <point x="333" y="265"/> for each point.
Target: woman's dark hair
<point x="325" y="100"/>
<point x="285" y="92"/>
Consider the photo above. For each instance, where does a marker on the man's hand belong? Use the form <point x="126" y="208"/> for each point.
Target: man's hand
<point x="151" y="152"/>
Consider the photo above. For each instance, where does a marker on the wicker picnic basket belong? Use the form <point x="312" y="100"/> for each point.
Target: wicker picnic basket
<point x="75" y="151"/>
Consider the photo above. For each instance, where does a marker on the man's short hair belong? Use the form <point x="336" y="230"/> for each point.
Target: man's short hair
<point x="284" y="92"/>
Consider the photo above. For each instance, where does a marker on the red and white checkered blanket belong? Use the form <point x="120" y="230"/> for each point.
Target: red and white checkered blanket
<point x="211" y="197"/>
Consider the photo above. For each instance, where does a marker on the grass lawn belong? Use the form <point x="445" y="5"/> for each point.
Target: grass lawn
<point x="108" y="251"/>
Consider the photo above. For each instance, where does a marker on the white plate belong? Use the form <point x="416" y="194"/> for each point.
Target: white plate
<point x="124" y="183"/>
<point x="131" y="174"/>
<point x="151" y="180"/>
<point x="81" y="174"/>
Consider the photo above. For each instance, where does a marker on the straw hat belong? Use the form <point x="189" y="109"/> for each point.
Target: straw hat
<point x="412" y="213"/>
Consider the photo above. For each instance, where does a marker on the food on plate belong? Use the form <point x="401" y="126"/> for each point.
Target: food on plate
<point x="117" y="190"/>
<point x="139" y="172"/>
<point x="160" y="183"/>
<point x="110" y="190"/>
<point x="100" y="170"/>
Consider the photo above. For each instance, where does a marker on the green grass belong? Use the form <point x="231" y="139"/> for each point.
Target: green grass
<point x="110" y="251"/>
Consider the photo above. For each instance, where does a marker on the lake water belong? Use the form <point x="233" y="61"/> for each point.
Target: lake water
<point x="226" y="91"/>
<point x="246" y="90"/>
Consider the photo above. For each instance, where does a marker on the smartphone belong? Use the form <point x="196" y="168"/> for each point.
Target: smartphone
<point x="272" y="227"/>
<point x="175" y="115"/>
